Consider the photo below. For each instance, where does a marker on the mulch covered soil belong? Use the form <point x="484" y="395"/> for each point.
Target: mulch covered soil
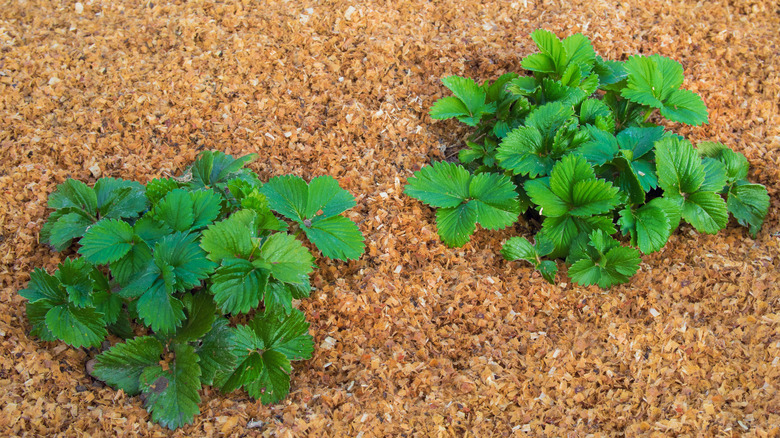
<point x="415" y="338"/>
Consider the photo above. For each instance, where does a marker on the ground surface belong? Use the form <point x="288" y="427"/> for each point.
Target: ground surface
<point x="414" y="339"/>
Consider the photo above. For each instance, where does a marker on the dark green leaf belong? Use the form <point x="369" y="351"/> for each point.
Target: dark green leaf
<point x="172" y="395"/>
<point x="122" y="365"/>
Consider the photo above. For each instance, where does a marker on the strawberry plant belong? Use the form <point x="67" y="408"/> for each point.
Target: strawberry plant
<point x="573" y="143"/>
<point x="172" y="266"/>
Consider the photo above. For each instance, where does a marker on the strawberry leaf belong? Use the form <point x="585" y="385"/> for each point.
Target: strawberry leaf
<point x="121" y="366"/>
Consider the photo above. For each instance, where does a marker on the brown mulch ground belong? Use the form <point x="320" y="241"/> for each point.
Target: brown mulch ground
<point x="414" y="339"/>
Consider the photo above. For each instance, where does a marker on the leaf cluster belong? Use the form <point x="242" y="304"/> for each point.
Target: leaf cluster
<point x="574" y="142"/>
<point x="171" y="265"/>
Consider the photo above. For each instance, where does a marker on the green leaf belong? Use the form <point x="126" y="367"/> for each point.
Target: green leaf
<point x="651" y="79"/>
<point x="77" y="327"/>
<point x="337" y="237"/>
<point x="122" y="365"/>
<point x="215" y="167"/>
<point x="231" y="237"/>
<point x="679" y="167"/>
<point x="685" y="106"/>
<point x="158" y="308"/>
<point x="273" y="383"/>
<point x="495" y="200"/>
<point x="44" y="287"/>
<point x="285" y="257"/>
<point x="287" y="195"/>
<point x="523" y="152"/>
<point x="472" y="96"/>
<point x="278" y="298"/>
<point x="579" y="51"/>
<point x="109" y="304"/>
<point x="73" y="193"/>
<point x="74" y="275"/>
<point x="615" y="266"/>
<point x="238" y="286"/>
<point x="714" y="175"/>
<point x="172" y="395"/>
<point x="706" y="211"/>
<point x="206" y="205"/>
<point x="201" y="314"/>
<point x="216" y="353"/>
<point x="553" y="57"/>
<point x="107" y="241"/>
<point x="63" y="226"/>
<point x="519" y="248"/>
<point x="601" y="147"/>
<point x="132" y="264"/>
<point x="156" y="189"/>
<point x="36" y="314"/>
<point x="175" y="210"/>
<point x="548" y="269"/>
<point x="457" y="224"/>
<point x="287" y="334"/>
<point x="649" y="227"/>
<point x="117" y="198"/>
<point x="609" y="72"/>
<point x="181" y="252"/>
<point x="326" y="198"/>
<point x="442" y="184"/>
<point x="150" y="230"/>
<point x="448" y="107"/>
<point x="749" y="203"/>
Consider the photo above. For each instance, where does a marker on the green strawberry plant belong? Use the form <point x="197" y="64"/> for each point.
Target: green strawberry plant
<point x="573" y="144"/>
<point x="170" y="267"/>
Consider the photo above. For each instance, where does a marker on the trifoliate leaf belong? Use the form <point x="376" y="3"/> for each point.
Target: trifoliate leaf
<point x="172" y="394"/>
<point x="706" y="211"/>
<point x="655" y="81"/>
<point x="231" y="237"/>
<point x="156" y="189"/>
<point x="117" y="198"/>
<point x="238" y="286"/>
<point x="287" y="334"/>
<point x="201" y="314"/>
<point x="175" y="210"/>
<point x="442" y="184"/>
<point x="77" y="327"/>
<point x="315" y="207"/>
<point x="73" y="193"/>
<point x="285" y="257"/>
<point x="749" y="203"/>
<point x="216" y="353"/>
<point x="122" y="365"/>
<point x="562" y="230"/>
<point x="518" y="248"/>
<point x="107" y="241"/>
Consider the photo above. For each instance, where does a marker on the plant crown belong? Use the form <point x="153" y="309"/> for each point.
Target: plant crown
<point x="573" y="143"/>
<point x="170" y="266"/>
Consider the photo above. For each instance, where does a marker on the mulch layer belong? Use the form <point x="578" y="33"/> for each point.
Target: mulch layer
<point x="415" y="338"/>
